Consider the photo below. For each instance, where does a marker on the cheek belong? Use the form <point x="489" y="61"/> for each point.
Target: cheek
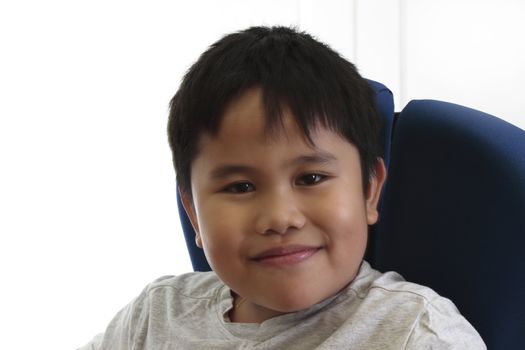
<point x="343" y="222"/>
<point x="347" y="227"/>
<point x="221" y="233"/>
<point x="343" y="211"/>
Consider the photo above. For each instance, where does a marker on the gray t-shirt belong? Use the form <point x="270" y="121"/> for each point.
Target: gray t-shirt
<point x="376" y="311"/>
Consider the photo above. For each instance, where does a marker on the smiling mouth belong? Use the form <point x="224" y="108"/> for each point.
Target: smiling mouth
<point x="283" y="256"/>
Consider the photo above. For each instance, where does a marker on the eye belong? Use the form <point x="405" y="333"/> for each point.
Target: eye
<point x="240" y="187"/>
<point x="310" y="179"/>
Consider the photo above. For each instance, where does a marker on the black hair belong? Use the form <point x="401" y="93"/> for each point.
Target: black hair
<point x="293" y="70"/>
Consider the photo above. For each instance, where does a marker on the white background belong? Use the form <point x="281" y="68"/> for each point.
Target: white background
<point x="87" y="195"/>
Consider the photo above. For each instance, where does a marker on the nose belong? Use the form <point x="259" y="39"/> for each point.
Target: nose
<point x="278" y="213"/>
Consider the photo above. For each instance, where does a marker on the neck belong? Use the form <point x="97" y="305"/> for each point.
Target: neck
<point x="245" y="311"/>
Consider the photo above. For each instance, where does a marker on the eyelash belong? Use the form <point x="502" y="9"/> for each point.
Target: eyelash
<point x="318" y="178"/>
<point x="246" y="187"/>
<point x="237" y="189"/>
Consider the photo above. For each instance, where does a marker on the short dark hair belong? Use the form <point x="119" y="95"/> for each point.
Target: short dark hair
<point x="293" y="70"/>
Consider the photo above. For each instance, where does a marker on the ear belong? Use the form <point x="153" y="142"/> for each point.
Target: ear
<point x="373" y="192"/>
<point x="187" y="203"/>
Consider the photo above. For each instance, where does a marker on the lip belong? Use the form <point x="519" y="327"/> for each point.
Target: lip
<point x="286" y="255"/>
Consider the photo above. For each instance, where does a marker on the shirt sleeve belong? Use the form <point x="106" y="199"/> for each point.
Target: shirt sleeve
<point x="441" y="326"/>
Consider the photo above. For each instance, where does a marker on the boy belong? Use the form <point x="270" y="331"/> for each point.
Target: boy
<point x="276" y="145"/>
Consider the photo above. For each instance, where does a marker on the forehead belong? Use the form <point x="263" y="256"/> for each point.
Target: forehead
<point x="246" y="116"/>
<point x="244" y="138"/>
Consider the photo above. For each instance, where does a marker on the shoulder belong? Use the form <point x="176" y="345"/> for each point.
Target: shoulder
<point x="176" y="293"/>
<point x="172" y="291"/>
<point x="391" y="288"/>
<point x="426" y="319"/>
<point x="165" y="297"/>
<point x="193" y="284"/>
<point x="389" y="284"/>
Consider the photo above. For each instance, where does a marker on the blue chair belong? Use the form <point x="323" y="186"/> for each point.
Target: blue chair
<point x="453" y="214"/>
<point x="385" y="106"/>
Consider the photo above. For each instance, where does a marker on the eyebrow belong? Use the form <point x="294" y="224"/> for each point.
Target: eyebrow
<point x="316" y="158"/>
<point x="224" y="171"/>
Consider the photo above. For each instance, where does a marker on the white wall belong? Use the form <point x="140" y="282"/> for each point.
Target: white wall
<point x="469" y="52"/>
<point x="87" y="195"/>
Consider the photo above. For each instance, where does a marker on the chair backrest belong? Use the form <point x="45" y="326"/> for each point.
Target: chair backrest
<point x="385" y="107"/>
<point x="453" y="214"/>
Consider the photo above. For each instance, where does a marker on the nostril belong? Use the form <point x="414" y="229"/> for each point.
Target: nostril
<point x="280" y="222"/>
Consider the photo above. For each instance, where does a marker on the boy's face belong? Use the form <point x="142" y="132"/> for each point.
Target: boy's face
<point x="282" y="222"/>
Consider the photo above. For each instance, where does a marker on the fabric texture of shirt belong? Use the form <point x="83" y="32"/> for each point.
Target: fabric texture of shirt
<point x="375" y="311"/>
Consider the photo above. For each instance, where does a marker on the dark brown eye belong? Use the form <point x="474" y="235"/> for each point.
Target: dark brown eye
<point x="310" y="179"/>
<point x="240" y="187"/>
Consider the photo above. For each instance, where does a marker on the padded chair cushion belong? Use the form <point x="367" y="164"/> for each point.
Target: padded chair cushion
<point x="385" y="107"/>
<point x="453" y="214"/>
